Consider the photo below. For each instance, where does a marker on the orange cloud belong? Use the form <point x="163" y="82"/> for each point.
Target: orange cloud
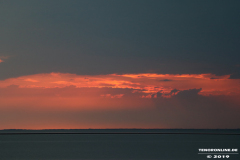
<point x="145" y="83"/>
<point x="2" y="58"/>
<point x="71" y="91"/>
<point x="151" y="96"/>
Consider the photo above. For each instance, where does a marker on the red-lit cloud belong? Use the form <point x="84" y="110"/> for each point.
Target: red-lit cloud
<point x="2" y="58"/>
<point x="145" y="83"/>
<point x="146" y="94"/>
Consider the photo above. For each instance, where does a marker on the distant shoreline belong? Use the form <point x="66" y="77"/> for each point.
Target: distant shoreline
<point x="123" y="131"/>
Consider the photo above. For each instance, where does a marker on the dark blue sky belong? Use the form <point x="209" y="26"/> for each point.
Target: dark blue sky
<point x="119" y="36"/>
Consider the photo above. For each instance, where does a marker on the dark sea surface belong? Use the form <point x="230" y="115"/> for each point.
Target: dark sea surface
<point x="115" y="144"/>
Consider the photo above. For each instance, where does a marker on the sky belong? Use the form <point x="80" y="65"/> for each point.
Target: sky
<point x="119" y="64"/>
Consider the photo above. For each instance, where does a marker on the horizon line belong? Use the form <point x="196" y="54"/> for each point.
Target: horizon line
<point x="126" y="129"/>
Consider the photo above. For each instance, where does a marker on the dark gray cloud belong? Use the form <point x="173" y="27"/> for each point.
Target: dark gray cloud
<point x="235" y="76"/>
<point x="174" y="91"/>
<point x="165" y="80"/>
<point x="102" y="37"/>
<point x="187" y="93"/>
<point x="188" y="109"/>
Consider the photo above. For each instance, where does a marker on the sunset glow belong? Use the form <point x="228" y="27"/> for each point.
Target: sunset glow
<point x="144" y="83"/>
<point x="119" y="64"/>
<point x="64" y="91"/>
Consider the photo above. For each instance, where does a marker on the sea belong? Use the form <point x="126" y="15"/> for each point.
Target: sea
<point x="120" y="144"/>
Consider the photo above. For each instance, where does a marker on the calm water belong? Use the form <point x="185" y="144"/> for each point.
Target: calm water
<point x="112" y="146"/>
